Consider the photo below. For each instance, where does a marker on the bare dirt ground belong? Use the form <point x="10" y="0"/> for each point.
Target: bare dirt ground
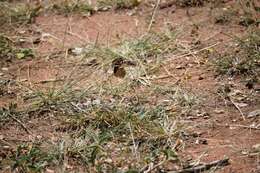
<point x="217" y="126"/>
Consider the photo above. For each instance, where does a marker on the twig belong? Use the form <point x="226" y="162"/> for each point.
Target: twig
<point x="48" y="81"/>
<point x="167" y="71"/>
<point x="153" y="15"/>
<point x="238" y="125"/>
<point x="151" y="168"/>
<point x="161" y="77"/>
<point x="165" y="77"/>
<point x="78" y="36"/>
<point x="20" y="122"/>
<point x="204" y="167"/>
<point x="29" y="75"/>
<point x="238" y="108"/>
<point x="132" y="136"/>
<point x="192" y="53"/>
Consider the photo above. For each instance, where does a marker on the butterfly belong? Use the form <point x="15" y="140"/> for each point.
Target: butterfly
<point x="119" y="65"/>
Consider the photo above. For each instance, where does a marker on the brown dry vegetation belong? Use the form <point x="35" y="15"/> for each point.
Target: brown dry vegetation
<point x="129" y="85"/>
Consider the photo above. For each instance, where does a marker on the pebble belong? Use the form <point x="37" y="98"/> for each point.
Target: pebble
<point x="254" y="113"/>
<point x="200" y="78"/>
<point x="179" y="67"/>
<point x="4" y="69"/>
<point x="256" y="147"/>
<point x="219" y="111"/>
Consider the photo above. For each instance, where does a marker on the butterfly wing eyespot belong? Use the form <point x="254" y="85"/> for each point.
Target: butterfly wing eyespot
<point x="118" y="65"/>
<point x="119" y="72"/>
<point x="117" y="62"/>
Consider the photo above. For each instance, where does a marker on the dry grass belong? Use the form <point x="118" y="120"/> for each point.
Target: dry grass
<point x="18" y="13"/>
<point x="104" y="117"/>
<point x="109" y="123"/>
<point x="245" y="59"/>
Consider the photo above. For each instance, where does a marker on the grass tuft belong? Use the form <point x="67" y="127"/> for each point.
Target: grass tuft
<point x="31" y="158"/>
<point x="18" y="13"/>
<point x="9" y="50"/>
<point x="117" y="4"/>
<point x="109" y="121"/>
<point x="245" y="60"/>
<point x="68" y="7"/>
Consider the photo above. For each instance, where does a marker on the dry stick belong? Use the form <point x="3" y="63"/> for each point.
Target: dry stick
<point x="190" y="53"/>
<point x="238" y="125"/>
<point x="238" y="108"/>
<point x="204" y="167"/>
<point x="133" y="139"/>
<point x="48" y="81"/>
<point x="20" y="122"/>
<point x="29" y="75"/>
<point x="65" y="33"/>
<point x="169" y="73"/>
<point x="153" y="15"/>
<point x="78" y="36"/>
<point x="161" y="77"/>
<point x="151" y="168"/>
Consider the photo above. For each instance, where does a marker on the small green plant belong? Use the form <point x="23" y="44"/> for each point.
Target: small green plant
<point x="6" y="112"/>
<point x="9" y="50"/>
<point x="68" y="7"/>
<point x="225" y="16"/>
<point x="117" y="4"/>
<point x="245" y="60"/>
<point x="90" y="147"/>
<point x="6" y="49"/>
<point x="31" y="158"/>
<point x="61" y="100"/>
<point x="20" y="13"/>
<point x="106" y="127"/>
<point x="188" y="3"/>
<point x="150" y="47"/>
<point x="249" y="13"/>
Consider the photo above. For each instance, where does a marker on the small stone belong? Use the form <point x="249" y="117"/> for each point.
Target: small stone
<point x="6" y="147"/>
<point x="256" y="147"/>
<point x="179" y="67"/>
<point x="197" y="141"/>
<point x="1" y="137"/>
<point x="108" y="160"/>
<point x="22" y="32"/>
<point x="4" y="69"/>
<point x="77" y="51"/>
<point x="49" y="171"/>
<point x="96" y="102"/>
<point x="219" y="111"/>
<point x="39" y="137"/>
<point x="254" y="113"/>
<point x="69" y="166"/>
<point x="242" y="104"/>
<point x="22" y="40"/>
<point x="244" y="152"/>
<point x="202" y="114"/>
<point x="190" y="65"/>
<point x="201" y="78"/>
<point x="201" y="141"/>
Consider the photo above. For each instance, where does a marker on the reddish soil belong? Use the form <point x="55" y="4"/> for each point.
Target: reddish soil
<point x="108" y="28"/>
